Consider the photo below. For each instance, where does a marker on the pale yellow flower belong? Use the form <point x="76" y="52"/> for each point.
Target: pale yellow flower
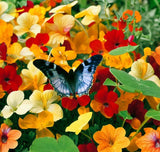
<point x="63" y="8"/>
<point x="59" y="29"/>
<point x="45" y="101"/>
<point x="27" y="24"/>
<point x="17" y="104"/>
<point x="5" y="16"/>
<point x="90" y="15"/>
<point x="142" y="70"/>
<point x="32" y="78"/>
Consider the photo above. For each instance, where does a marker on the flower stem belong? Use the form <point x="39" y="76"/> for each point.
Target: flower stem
<point x="143" y="123"/>
<point x="86" y="135"/>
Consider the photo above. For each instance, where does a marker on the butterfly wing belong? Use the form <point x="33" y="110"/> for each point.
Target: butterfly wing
<point x="56" y="75"/>
<point x="84" y="74"/>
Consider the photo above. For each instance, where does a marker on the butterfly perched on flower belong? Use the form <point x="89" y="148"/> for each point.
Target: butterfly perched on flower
<point x="74" y="83"/>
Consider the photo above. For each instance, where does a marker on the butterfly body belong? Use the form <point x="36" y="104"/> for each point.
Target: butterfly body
<point x="74" y="82"/>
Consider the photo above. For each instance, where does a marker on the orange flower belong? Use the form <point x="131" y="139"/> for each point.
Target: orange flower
<point x="8" y="138"/>
<point x="111" y="139"/>
<point x="128" y="13"/>
<point x="156" y="55"/>
<point x="150" y="142"/>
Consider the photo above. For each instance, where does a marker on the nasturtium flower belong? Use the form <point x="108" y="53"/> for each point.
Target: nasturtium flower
<point x="111" y="139"/>
<point x="2" y="92"/>
<point x="9" y="79"/>
<point x="39" y="11"/>
<point x="104" y="102"/>
<point x="59" y="30"/>
<point x="142" y="70"/>
<point x="150" y="141"/>
<point x="120" y="24"/>
<point x="51" y="3"/>
<point x="63" y="8"/>
<point x="32" y="78"/>
<point x="27" y="23"/>
<point x="156" y="55"/>
<point x="115" y="39"/>
<point x="8" y="138"/>
<point x="90" y="147"/>
<point x="90" y="15"/>
<point x="79" y="124"/>
<point x="137" y="111"/>
<point x="132" y="146"/>
<point x="16" y="104"/>
<point x="128" y="13"/>
<point x="6" y="32"/>
<point x="45" y="101"/>
<point x="3" y="51"/>
<point x="40" y="123"/>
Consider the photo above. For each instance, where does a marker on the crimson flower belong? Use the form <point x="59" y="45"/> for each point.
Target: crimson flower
<point x="9" y="79"/>
<point x="14" y="38"/>
<point x="40" y="40"/>
<point x="3" y="51"/>
<point x="97" y="46"/>
<point x="48" y="86"/>
<point x="72" y="103"/>
<point x="90" y="147"/>
<point x="101" y="74"/>
<point x="115" y="39"/>
<point x="107" y="100"/>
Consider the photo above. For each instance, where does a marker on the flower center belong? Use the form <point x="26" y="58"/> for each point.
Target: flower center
<point x="4" y="138"/>
<point x="105" y="104"/>
<point x="117" y="44"/>
<point x="6" y="79"/>
<point x="157" y="143"/>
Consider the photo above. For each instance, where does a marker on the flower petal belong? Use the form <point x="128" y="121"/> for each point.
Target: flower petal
<point x="7" y="111"/>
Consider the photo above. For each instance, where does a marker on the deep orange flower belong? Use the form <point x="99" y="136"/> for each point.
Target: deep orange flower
<point x="8" y="138"/>
<point x="150" y="142"/>
<point x="111" y="139"/>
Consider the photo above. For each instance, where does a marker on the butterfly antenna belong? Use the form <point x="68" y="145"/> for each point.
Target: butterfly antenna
<point x="49" y="55"/>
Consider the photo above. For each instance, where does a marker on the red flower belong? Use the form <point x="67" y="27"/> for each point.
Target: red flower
<point x="14" y="38"/>
<point x="9" y="79"/>
<point x="120" y="25"/>
<point x="48" y="87"/>
<point x="136" y="109"/>
<point x="23" y="9"/>
<point x="97" y="46"/>
<point x="90" y="147"/>
<point x="107" y="99"/>
<point x="71" y="104"/>
<point x="115" y="39"/>
<point x="101" y="74"/>
<point x="40" y="40"/>
<point x="3" y="51"/>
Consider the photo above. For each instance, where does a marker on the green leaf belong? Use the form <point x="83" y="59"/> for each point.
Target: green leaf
<point x="153" y="114"/>
<point x="125" y="115"/>
<point x="131" y="84"/>
<point x="49" y="144"/>
<point x="109" y="82"/>
<point x="122" y="50"/>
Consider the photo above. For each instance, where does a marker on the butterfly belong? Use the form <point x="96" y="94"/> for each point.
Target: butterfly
<point x="74" y="83"/>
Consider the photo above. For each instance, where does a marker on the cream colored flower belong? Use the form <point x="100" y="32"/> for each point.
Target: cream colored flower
<point x="33" y="78"/>
<point x="59" y="29"/>
<point x="17" y="104"/>
<point x="27" y="24"/>
<point x="45" y="101"/>
<point x="142" y="70"/>
<point x="90" y="15"/>
<point x="5" y="16"/>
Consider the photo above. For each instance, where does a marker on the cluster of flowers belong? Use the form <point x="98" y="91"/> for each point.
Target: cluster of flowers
<point x="54" y="34"/>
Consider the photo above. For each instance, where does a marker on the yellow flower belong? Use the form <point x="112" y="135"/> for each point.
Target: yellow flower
<point x="90" y="15"/>
<point x="45" y="101"/>
<point x="63" y="8"/>
<point x="27" y="24"/>
<point x="61" y="56"/>
<point x="118" y="61"/>
<point x="6" y="32"/>
<point x="32" y="78"/>
<point x="111" y="139"/>
<point x="142" y="70"/>
<point x="59" y="29"/>
<point x="40" y="11"/>
<point x="2" y="92"/>
<point x="40" y="123"/>
<point x="78" y="125"/>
